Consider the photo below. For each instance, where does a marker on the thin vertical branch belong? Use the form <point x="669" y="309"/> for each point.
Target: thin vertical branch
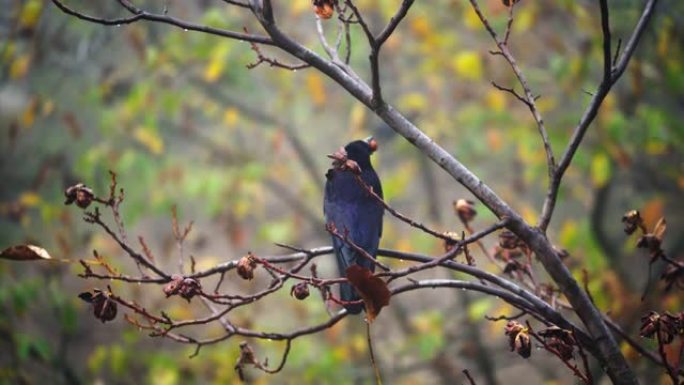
<point x="528" y="98"/>
<point x="610" y="77"/>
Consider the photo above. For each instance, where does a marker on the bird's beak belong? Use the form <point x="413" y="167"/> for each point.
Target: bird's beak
<point x="372" y="143"/>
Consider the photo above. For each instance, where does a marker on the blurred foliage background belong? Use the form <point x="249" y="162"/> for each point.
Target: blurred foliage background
<point x="242" y="153"/>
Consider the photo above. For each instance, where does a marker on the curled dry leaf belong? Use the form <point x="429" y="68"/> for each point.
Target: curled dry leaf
<point x="25" y="253"/>
<point x="663" y="327"/>
<point x="518" y="338"/>
<point x="104" y="308"/>
<point x="465" y="209"/>
<point x="508" y="240"/>
<point x="560" y="340"/>
<point x="372" y="289"/>
<point x="79" y="193"/>
<point x="185" y="287"/>
<point x="632" y="220"/>
<point x="300" y="291"/>
<point x="246" y="266"/>
<point x="449" y="244"/>
<point x="324" y="8"/>
<point x="659" y="229"/>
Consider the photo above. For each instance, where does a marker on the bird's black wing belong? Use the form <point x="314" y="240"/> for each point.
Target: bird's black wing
<point x="354" y="212"/>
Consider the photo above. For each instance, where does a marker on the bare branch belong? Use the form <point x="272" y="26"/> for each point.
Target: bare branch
<point x="139" y="14"/>
<point x="529" y="99"/>
<point x="394" y="22"/>
<point x="609" y="78"/>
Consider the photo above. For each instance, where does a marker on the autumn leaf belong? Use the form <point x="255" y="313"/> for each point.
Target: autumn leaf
<point x="25" y="253"/>
<point x="659" y="229"/>
<point x="372" y="289"/>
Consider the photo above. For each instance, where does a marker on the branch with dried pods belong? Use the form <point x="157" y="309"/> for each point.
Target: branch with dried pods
<point x="524" y="291"/>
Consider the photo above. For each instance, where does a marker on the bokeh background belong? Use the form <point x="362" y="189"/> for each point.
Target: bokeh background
<point x="241" y="153"/>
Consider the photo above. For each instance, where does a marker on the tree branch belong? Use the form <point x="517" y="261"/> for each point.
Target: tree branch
<point x="139" y="14"/>
<point x="529" y="100"/>
<point x="610" y="77"/>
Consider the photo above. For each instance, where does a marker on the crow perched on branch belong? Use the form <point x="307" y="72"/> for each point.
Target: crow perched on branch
<point x="353" y="212"/>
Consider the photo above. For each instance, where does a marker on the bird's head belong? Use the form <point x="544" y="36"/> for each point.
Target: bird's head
<point x="360" y="151"/>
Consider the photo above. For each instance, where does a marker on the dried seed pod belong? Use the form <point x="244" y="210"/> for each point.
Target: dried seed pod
<point x="79" y="193"/>
<point x="449" y="244"/>
<point x="465" y="209"/>
<point x="652" y="243"/>
<point x="172" y="287"/>
<point x="247" y="357"/>
<point x="632" y="220"/>
<point x="518" y="338"/>
<point x="104" y="308"/>
<point x="561" y="340"/>
<point x="324" y="8"/>
<point x="246" y="266"/>
<point x="663" y="327"/>
<point x="508" y="240"/>
<point x="189" y="287"/>
<point x="300" y="291"/>
<point x="513" y="265"/>
<point x="673" y="275"/>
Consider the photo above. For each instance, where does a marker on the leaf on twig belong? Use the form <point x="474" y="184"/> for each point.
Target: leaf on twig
<point x="659" y="229"/>
<point x="25" y="253"/>
<point x="372" y="289"/>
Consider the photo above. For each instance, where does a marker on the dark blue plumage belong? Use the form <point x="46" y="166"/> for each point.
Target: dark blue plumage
<point x="355" y="212"/>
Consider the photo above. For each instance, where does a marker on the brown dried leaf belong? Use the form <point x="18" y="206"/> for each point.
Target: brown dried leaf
<point x="659" y="229"/>
<point x="372" y="289"/>
<point x="25" y="253"/>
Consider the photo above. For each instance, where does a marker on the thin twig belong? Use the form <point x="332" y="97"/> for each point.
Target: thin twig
<point x="378" y="379"/>
<point x="166" y="19"/>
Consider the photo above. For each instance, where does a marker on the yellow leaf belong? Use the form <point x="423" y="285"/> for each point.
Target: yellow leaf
<point x="600" y="169"/>
<point x="29" y="199"/>
<point x="314" y="84"/>
<point x="413" y="101"/>
<point x="546" y="104"/>
<point x="528" y="214"/>
<point x="29" y="114"/>
<point x="404" y="245"/>
<point x="30" y="14"/>
<point x="494" y="139"/>
<point x="48" y="107"/>
<point x="568" y="233"/>
<point x="10" y="49"/>
<point x="20" y="66"/>
<point x="150" y="139"/>
<point x="471" y="20"/>
<point x="524" y="18"/>
<point x="420" y="26"/>
<point x="299" y="6"/>
<point x="654" y="147"/>
<point x="231" y="116"/>
<point x="217" y="62"/>
<point x="213" y="70"/>
<point x="468" y="65"/>
<point x="652" y="211"/>
<point x="496" y="100"/>
<point x="357" y="117"/>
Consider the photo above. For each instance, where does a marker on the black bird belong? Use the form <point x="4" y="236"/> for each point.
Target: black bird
<point x="353" y="211"/>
